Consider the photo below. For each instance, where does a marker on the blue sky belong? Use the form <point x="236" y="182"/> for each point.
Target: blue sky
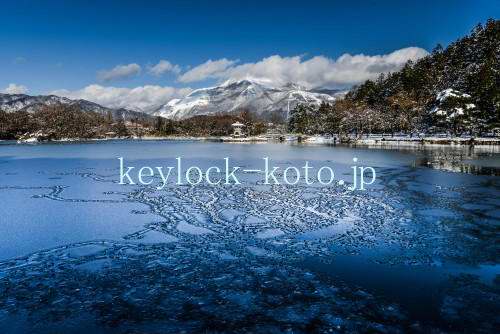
<point x="54" y="45"/>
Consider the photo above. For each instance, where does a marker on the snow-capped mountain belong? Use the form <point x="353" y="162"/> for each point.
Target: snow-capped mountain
<point x="22" y="102"/>
<point x="28" y="103"/>
<point x="233" y="96"/>
<point x="230" y="97"/>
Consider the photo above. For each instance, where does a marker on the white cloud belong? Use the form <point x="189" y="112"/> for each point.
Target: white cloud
<point x="119" y="72"/>
<point x="15" y="89"/>
<point x="143" y="98"/>
<point x="209" y="69"/>
<point x="317" y="71"/>
<point x="162" y="67"/>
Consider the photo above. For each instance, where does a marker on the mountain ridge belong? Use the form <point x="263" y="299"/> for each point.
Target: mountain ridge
<point x="259" y="98"/>
<point x="33" y="103"/>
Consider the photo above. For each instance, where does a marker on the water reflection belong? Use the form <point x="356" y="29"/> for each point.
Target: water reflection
<point x="479" y="160"/>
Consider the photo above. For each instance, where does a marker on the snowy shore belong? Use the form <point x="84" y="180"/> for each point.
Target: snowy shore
<point x="429" y="140"/>
<point x="325" y="140"/>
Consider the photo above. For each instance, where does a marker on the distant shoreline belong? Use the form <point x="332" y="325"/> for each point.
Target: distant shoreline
<point x="457" y="141"/>
<point x="369" y="141"/>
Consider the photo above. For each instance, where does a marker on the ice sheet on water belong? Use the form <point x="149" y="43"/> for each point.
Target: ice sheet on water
<point x="192" y="292"/>
<point x="342" y="226"/>
<point x="95" y="265"/>
<point x="230" y="214"/>
<point x="156" y="243"/>
<point x="192" y="229"/>
<point x="202" y="218"/>
<point x="251" y="220"/>
<point x="269" y="233"/>
<point x="257" y="251"/>
<point x="227" y="256"/>
<point x="156" y="237"/>
<point x="48" y="220"/>
<point x="86" y="250"/>
<point x="246" y="213"/>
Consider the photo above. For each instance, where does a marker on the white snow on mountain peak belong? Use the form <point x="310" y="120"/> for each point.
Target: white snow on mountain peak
<point x="256" y="96"/>
<point x="233" y="96"/>
<point x="31" y="104"/>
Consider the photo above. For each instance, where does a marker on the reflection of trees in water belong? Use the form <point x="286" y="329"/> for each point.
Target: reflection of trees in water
<point x="450" y="158"/>
<point x="459" y="167"/>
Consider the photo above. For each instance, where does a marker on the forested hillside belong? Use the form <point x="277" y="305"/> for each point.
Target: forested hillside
<point x="58" y="121"/>
<point x="455" y="90"/>
<point x="61" y="121"/>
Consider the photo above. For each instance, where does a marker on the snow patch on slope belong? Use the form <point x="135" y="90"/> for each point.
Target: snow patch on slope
<point x="256" y="96"/>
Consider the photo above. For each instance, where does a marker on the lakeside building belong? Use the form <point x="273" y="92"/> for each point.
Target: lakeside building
<point x="238" y="130"/>
<point x="275" y="131"/>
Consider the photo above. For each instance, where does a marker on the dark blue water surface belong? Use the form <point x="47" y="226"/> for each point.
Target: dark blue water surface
<point x="417" y="251"/>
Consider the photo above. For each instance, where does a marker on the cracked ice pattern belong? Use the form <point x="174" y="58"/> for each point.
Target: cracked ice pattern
<point x="228" y="258"/>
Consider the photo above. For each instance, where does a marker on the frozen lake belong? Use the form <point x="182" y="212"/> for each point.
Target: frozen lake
<point x="418" y="250"/>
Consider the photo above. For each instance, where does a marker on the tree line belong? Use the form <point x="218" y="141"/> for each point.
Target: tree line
<point x="59" y="121"/>
<point x="210" y="125"/>
<point x="412" y="99"/>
